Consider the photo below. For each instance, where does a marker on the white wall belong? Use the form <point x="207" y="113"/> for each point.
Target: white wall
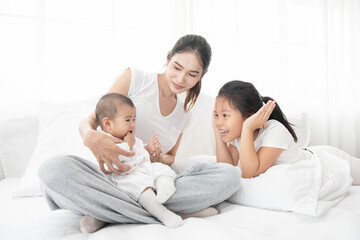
<point x="304" y="53"/>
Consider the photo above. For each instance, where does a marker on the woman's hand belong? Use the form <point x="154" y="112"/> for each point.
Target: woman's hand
<point x="260" y="118"/>
<point x="153" y="147"/>
<point x="106" y="151"/>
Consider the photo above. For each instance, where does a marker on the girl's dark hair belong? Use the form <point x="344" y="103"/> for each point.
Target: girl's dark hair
<point x="199" y="45"/>
<point x="244" y="97"/>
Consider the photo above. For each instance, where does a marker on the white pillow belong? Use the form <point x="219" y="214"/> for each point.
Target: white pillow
<point x="301" y="126"/>
<point x="58" y="133"/>
<point x="198" y="137"/>
<point x="309" y="187"/>
<point x="18" y="137"/>
<point x="284" y="187"/>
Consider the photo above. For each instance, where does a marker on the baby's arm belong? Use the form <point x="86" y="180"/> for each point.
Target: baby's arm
<point x="130" y="139"/>
<point x="153" y="147"/>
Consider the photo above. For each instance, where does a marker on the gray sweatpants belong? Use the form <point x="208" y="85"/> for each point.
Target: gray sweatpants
<point x="72" y="183"/>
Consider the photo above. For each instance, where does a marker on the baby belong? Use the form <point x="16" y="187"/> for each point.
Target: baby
<point x="116" y="115"/>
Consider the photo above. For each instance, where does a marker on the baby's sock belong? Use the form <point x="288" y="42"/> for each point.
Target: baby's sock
<point x="148" y="200"/>
<point x="89" y="224"/>
<point x="165" y="188"/>
<point x="207" y="212"/>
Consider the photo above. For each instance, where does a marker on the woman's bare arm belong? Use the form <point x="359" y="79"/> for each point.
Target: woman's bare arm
<point x="102" y="146"/>
<point x="169" y="157"/>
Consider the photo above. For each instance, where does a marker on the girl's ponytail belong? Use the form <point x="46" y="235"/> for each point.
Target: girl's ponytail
<point x="278" y="115"/>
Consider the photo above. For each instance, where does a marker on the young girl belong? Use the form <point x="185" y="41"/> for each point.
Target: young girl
<point x="251" y="131"/>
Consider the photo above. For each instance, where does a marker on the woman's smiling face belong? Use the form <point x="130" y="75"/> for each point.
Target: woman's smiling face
<point x="228" y="120"/>
<point x="183" y="72"/>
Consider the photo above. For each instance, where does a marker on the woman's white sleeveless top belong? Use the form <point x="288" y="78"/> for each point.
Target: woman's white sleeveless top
<point x="144" y="92"/>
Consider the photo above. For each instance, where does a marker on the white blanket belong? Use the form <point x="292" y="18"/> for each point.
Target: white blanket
<point x="308" y="187"/>
<point x="30" y="218"/>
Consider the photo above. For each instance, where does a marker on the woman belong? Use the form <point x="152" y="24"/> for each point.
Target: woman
<point x="76" y="184"/>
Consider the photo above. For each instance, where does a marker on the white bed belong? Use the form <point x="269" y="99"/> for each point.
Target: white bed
<point x="30" y="218"/>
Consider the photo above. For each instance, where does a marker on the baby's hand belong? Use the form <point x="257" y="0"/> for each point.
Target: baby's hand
<point x="153" y="147"/>
<point x="130" y="139"/>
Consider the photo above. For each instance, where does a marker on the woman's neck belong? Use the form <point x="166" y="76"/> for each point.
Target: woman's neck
<point x="167" y="98"/>
<point x="164" y="88"/>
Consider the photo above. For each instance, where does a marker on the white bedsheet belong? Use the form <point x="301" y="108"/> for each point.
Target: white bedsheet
<point x="30" y="218"/>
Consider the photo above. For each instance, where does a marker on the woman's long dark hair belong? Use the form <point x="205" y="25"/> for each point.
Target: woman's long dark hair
<point x="244" y="97"/>
<point x="199" y="45"/>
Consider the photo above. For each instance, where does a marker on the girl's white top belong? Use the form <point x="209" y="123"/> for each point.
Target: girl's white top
<point x="276" y="135"/>
<point x="144" y="92"/>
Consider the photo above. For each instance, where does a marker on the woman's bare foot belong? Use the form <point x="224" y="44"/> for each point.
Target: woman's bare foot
<point x="89" y="224"/>
<point x="207" y="212"/>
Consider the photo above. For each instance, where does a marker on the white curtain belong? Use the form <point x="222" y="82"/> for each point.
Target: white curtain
<point x="303" y="53"/>
<point x="64" y="50"/>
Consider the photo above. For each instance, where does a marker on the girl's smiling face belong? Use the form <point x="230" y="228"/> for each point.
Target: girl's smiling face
<point x="228" y="120"/>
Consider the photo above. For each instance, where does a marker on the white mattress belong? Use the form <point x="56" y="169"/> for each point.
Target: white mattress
<point x="30" y="218"/>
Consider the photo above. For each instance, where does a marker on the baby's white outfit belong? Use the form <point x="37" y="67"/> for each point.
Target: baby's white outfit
<point x="142" y="174"/>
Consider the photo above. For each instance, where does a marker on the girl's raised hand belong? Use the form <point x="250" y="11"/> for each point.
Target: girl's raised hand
<point x="260" y="118"/>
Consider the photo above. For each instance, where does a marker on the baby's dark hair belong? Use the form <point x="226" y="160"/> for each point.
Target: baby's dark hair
<point x="109" y="104"/>
<point x="244" y="97"/>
